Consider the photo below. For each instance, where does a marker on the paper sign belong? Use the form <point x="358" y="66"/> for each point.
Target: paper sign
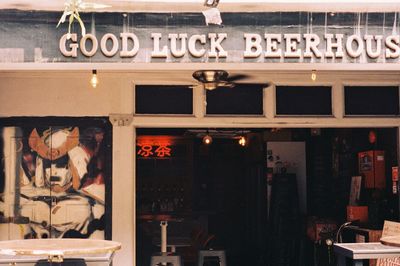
<point x="212" y="16"/>
<point x="395" y="173"/>
<point x="390" y="229"/>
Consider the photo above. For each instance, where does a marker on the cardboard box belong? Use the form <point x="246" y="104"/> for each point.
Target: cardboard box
<point x="363" y="235"/>
<point x="371" y="164"/>
<point x="367" y="235"/>
<point x="357" y="213"/>
<point x="317" y="226"/>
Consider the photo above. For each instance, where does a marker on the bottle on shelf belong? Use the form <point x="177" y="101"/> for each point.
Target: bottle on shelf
<point x="181" y="205"/>
<point x="163" y="205"/>
<point x="170" y="205"/>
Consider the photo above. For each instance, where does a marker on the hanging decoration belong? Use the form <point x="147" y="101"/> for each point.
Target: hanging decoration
<point x="72" y="9"/>
<point x="212" y="16"/>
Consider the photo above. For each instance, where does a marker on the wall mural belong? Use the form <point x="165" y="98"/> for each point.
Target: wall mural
<point x="53" y="182"/>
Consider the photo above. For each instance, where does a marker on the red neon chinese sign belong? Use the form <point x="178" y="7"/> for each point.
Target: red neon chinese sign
<point x="146" y="150"/>
<point x="163" y="151"/>
<point x="154" y="146"/>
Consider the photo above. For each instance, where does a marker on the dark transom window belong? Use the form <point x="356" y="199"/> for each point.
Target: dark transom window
<point x="161" y="99"/>
<point x="303" y="100"/>
<point x="243" y="99"/>
<point x="371" y="100"/>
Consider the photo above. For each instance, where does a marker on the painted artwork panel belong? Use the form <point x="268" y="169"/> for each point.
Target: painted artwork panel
<point x="53" y="182"/>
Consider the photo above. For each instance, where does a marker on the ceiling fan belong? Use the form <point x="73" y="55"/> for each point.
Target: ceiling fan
<point x="212" y="79"/>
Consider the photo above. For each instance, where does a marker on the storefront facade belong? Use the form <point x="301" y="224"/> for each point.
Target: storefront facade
<point x="44" y="78"/>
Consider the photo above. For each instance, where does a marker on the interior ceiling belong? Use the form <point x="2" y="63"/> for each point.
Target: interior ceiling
<point x="217" y="133"/>
<point x="224" y="5"/>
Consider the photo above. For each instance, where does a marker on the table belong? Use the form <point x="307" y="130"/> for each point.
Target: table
<point x="361" y="251"/>
<point x="55" y="250"/>
<point x="174" y="242"/>
<point x="163" y="219"/>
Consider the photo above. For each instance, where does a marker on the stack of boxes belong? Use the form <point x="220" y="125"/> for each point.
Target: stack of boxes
<point x="371" y="165"/>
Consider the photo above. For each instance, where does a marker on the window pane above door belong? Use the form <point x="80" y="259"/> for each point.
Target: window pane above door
<point x="162" y="99"/>
<point x="303" y="100"/>
<point x="243" y="99"/>
<point x="371" y="100"/>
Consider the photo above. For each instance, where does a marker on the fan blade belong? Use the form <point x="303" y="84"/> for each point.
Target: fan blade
<point x="251" y="86"/>
<point x="225" y="85"/>
<point x="234" y="78"/>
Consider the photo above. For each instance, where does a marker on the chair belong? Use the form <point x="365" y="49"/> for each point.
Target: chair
<point x="200" y="239"/>
<point x="220" y="254"/>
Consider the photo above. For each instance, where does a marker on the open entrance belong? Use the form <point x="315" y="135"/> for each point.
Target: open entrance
<point x="273" y="201"/>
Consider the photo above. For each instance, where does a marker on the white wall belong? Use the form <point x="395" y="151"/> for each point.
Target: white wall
<point x="292" y="155"/>
<point x="63" y="95"/>
<point x="69" y="94"/>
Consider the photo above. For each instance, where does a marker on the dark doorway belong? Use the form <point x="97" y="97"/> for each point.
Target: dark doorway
<point x="237" y="202"/>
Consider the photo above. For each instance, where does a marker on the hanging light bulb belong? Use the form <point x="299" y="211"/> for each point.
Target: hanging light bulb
<point x="94" y="81"/>
<point x="242" y="141"/>
<point x="314" y="75"/>
<point x="207" y="139"/>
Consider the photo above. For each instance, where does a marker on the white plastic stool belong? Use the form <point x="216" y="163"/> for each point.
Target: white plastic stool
<point x="212" y="253"/>
<point x="164" y="259"/>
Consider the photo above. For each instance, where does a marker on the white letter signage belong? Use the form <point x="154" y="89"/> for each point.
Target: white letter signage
<point x="286" y="47"/>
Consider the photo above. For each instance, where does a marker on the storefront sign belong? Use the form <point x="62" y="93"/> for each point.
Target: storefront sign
<point x="155" y="146"/>
<point x="150" y="150"/>
<point x="211" y="45"/>
<point x="264" y="37"/>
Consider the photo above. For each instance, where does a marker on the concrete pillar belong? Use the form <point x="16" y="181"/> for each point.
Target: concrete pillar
<point x="123" y="189"/>
<point x="123" y="175"/>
